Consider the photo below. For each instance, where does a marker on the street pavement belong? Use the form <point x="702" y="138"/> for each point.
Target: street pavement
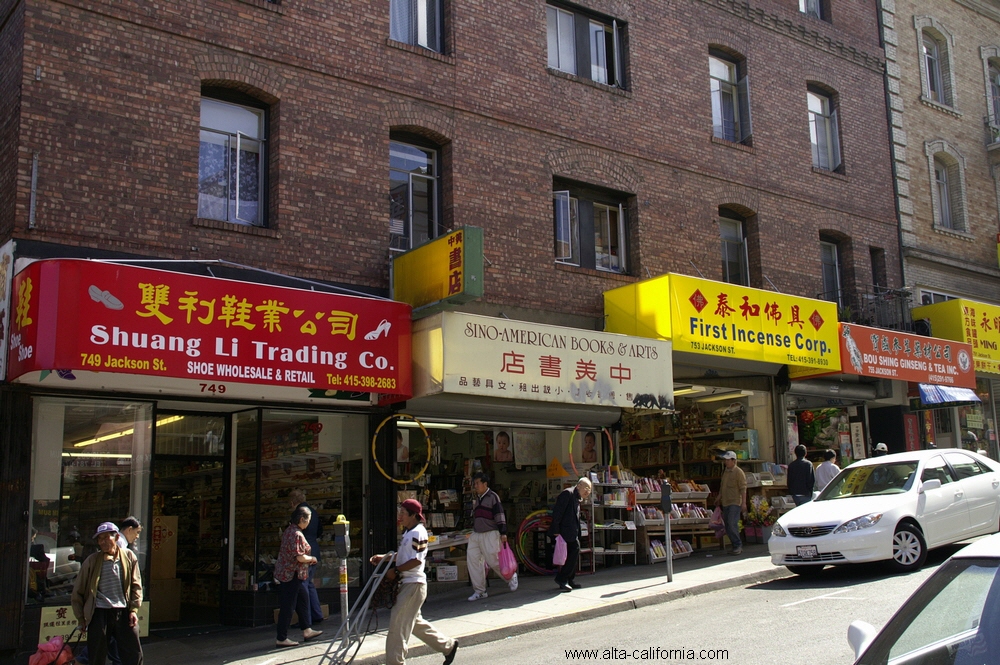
<point x="536" y="605"/>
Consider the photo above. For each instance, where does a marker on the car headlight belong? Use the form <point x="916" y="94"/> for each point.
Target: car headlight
<point x="859" y="523"/>
<point x="777" y="531"/>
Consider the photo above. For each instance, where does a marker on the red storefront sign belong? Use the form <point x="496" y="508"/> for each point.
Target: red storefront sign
<point x="86" y="316"/>
<point x="888" y="354"/>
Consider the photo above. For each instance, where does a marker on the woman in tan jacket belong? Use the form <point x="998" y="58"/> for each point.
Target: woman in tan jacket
<point x="107" y="596"/>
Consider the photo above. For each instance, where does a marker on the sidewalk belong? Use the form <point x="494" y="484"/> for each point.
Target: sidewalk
<point x="536" y="605"/>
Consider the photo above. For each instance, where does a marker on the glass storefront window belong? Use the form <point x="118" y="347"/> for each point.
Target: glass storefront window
<point x="976" y="421"/>
<point x="320" y="455"/>
<point x="90" y="464"/>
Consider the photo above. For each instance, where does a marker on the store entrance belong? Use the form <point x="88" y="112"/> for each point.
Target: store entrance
<point x="187" y="541"/>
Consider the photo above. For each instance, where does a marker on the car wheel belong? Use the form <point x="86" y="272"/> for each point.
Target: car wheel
<point x="908" y="548"/>
<point x="806" y="571"/>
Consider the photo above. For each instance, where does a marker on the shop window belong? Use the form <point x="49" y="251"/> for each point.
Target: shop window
<point x="90" y="464"/>
<point x="231" y="161"/>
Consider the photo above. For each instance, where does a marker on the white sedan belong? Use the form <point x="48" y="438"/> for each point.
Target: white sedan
<point x="892" y="508"/>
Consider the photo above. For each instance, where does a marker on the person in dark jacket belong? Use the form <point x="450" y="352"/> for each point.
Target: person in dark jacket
<point x="312" y="534"/>
<point x="566" y="523"/>
<point x="801" y="477"/>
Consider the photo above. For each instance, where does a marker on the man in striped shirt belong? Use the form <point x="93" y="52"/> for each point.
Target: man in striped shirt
<point x="489" y="526"/>
<point x="106" y="599"/>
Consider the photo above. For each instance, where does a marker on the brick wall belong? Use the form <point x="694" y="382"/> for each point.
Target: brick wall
<point x="115" y="120"/>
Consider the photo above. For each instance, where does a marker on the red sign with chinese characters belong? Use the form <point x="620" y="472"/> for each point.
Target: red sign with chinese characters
<point x="72" y="315"/>
<point x="889" y="354"/>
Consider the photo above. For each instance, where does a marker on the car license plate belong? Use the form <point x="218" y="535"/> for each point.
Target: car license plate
<point x="807" y="551"/>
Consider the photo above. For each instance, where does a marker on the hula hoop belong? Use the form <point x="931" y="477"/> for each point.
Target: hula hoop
<point x="540" y="520"/>
<point x="611" y="447"/>
<point x="571" y="462"/>
<point x="427" y="438"/>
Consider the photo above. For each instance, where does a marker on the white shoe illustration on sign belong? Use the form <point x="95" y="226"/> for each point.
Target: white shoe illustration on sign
<point x="105" y="298"/>
<point x="382" y="328"/>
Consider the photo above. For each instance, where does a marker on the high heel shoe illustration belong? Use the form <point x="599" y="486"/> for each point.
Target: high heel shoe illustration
<point x="382" y="328"/>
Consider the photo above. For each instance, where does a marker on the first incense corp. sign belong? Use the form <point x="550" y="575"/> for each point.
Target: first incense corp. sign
<point x="73" y="315"/>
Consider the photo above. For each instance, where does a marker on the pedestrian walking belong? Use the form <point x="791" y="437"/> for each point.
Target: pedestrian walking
<point x="828" y="470"/>
<point x="405" y="618"/>
<point x="106" y="599"/>
<point x="566" y="523"/>
<point x="291" y="571"/>
<point x="489" y="532"/>
<point x="801" y="477"/>
<point x="312" y="532"/>
<point x="732" y="499"/>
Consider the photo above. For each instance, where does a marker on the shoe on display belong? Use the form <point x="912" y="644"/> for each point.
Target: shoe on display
<point x="450" y="656"/>
<point x="309" y="634"/>
<point x="513" y="583"/>
<point x="479" y="595"/>
<point x="286" y="643"/>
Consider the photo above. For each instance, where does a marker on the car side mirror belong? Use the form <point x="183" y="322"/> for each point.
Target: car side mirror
<point x="860" y="634"/>
<point x="932" y="484"/>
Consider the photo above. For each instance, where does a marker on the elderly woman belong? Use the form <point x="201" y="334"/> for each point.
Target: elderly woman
<point x="292" y="571"/>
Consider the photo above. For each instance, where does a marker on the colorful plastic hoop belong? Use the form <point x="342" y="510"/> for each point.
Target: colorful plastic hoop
<point x="540" y="520"/>
<point x="571" y="462"/>
<point x="611" y="447"/>
<point x="427" y="438"/>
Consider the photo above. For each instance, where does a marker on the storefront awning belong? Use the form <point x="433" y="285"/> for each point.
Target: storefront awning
<point x="946" y="395"/>
<point x="973" y="323"/>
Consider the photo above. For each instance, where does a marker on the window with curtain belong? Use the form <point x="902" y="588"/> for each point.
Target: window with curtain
<point x="824" y="133"/>
<point x="599" y="56"/>
<point x="416" y="22"/>
<point x="231" y="162"/>
<point x="413" y="195"/>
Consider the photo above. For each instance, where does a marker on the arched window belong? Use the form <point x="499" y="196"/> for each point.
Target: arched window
<point x="937" y="78"/>
<point x="590" y="225"/>
<point x="414" y="190"/>
<point x="730" y="89"/>
<point x="932" y="68"/>
<point x="943" y="215"/>
<point x="946" y="167"/>
<point x="735" y="262"/>
<point x="824" y="130"/>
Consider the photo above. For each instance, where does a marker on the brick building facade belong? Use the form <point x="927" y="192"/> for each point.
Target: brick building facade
<point x="107" y="112"/>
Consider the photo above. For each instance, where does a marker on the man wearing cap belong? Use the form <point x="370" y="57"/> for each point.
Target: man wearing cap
<point x="106" y="599"/>
<point x="732" y="499"/>
<point x="405" y="618"/>
<point x="880" y="449"/>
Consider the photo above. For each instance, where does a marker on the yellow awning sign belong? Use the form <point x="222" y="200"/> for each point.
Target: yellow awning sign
<point x="971" y="322"/>
<point x="729" y="320"/>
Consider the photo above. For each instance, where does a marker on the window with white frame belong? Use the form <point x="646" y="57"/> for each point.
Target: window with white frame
<point x="580" y="213"/>
<point x="946" y="167"/>
<point x="937" y="76"/>
<point x="416" y="22"/>
<point x="730" y="99"/>
<point x="734" y="249"/>
<point x="824" y="133"/>
<point x="812" y="8"/>
<point x="598" y="57"/>
<point x="231" y="163"/>
<point x="932" y="297"/>
<point x="413" y="194"/>
<point x="830" y="261"/>
<point x="994" y="91"/>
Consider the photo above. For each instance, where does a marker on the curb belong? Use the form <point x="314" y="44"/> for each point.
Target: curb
<point x="495" y="634"/>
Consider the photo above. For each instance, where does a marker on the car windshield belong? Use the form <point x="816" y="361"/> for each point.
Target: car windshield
<point x="950" y="620"/>
<point x="870" y="480"/>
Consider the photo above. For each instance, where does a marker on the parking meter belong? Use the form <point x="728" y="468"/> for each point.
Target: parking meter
<point x="341" y="537"/>
<point x="342" y="547"/>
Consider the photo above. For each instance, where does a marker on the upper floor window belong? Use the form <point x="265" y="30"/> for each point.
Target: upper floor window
<point x="994" y="91"/>
<point x="947" y="175"/>
<point x="823" y="131"/>
<point x="231" y="162"/>
<point x="730" y="100"/>
<point x="585" y="45"/>
<point x="416" y="22"/>
<point x="932" y="297"/>
<point x="580" y="213"/>
<point x="413" y="195"/>
<point x="830" y="260"/>
<point x="937" y="78"/>
<point x="734" y="248"/>
<point x="812" y="8"/>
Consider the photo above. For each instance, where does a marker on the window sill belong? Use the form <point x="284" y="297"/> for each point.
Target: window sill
<point x="733" y="144"/>
<point x="954" y="233"/>
<point x="832" y="174"/>
<point x="614" y="90"/>
<point x="944" y="108"/>
<point x="616" y="276"/>
<point x="237" y="228"/>
<point x="264" y="4"/>
<point x="420" y="50"/>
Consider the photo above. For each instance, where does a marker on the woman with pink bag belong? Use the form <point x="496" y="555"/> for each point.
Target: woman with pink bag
<point x="566" y="523"/>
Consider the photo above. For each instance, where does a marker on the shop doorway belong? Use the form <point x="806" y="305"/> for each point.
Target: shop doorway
<point x="188" y="543"/>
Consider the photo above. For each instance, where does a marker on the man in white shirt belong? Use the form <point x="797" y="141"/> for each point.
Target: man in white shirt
<point x="405" y="617"/>
<point x="828" y="470"/>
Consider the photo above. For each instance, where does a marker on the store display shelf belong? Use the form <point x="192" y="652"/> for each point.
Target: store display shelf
<point x="659" y="559"/>
<point x="675" y="555"/>
<point x="613" y="504"/>
<point x="687" y="496"/>
<point x="614" y="484"/>
<point x="681" y="521"/>
<point x="653" y="522"/>
<point x="616" y="552"/>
